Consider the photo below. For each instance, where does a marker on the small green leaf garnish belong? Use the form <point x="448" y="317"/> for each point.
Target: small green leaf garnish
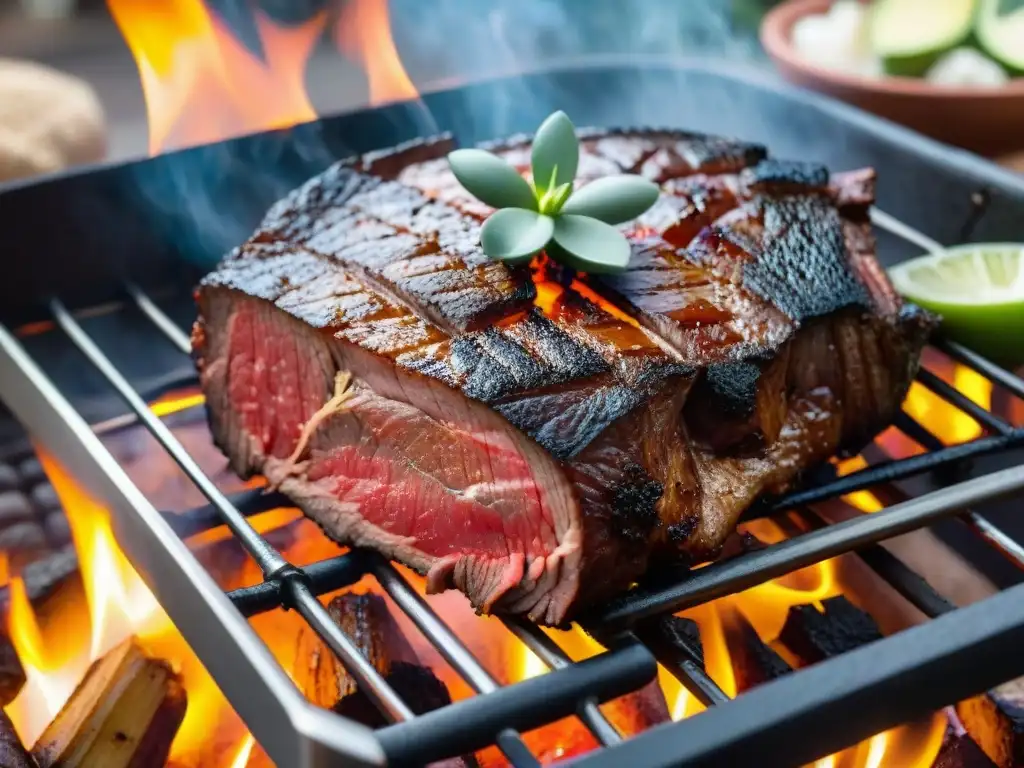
<point x="613" y="199"/>
<point x="574" y="227"/>
<point x="555" y="154"/>
<point x="491" y="180"/>
<point x="515" y="234"/>
<point x="593" y="245"/>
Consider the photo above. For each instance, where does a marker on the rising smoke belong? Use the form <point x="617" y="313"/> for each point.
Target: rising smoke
<point x="209" y="199"/>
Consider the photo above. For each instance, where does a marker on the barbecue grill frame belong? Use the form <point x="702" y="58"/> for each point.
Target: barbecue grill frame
<point x="808" y="699"/>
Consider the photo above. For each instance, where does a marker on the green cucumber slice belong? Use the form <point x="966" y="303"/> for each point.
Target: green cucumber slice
<point x="1000" y="32"/>
<point x="910" y="35"/>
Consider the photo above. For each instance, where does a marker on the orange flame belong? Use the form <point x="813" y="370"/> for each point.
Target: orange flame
<point x="201" y="84"/>
<point x="766" y="607"/>
<point x="364" y="35"/>
<point x="119" y="605"/>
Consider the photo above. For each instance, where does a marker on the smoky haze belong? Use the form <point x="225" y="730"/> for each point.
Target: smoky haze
<point x="210" y="199"/>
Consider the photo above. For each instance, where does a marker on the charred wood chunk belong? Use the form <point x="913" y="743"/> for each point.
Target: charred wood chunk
<point x="753" y="662"/>
<point x="58" y="529"/>
<point x="12" y="752"/>
<point x="995" y="720"/>
<point x="961" y="752"/>
<point x="815" y="635"/>
<point x="368" y="623"/>
<point x="125" y="713"/>
<point x="681" y="636"/>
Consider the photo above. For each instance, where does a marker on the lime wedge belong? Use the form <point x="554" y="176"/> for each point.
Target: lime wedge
<point x="979" y="291"/>
<point x="910" y="35"/>
<point x="1000" y="31"/>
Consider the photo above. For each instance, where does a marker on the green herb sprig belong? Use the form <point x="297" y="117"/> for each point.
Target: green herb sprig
<point x="573" y="227"/>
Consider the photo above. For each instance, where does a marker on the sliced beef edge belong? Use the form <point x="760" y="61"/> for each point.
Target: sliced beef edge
<point x="595" y="545"/>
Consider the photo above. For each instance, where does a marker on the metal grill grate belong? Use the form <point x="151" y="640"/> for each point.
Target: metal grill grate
<point x="959" y="653"/>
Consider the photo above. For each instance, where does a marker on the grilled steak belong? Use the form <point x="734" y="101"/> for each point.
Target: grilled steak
<point x="533" y="437"/>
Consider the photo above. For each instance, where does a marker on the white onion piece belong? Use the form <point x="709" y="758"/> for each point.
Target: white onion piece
<point x="966" y="66"/>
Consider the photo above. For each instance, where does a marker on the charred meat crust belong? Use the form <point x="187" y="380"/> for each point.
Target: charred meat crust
<point x="753" y="334"/>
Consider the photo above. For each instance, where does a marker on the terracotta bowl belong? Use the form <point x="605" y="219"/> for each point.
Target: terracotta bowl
<point x="987" y="121"/>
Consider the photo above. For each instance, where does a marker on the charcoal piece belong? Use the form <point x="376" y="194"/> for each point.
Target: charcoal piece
<point x="12" y="674"/>
<point x="30" y="473"/>
<point x="961" y="752"/>
<point x="995" y="720"/>
<point x="23" y="538"/>
<point x="8" y="478"/>
<point x="58" y="529"/>
<point x="12" y="752"/>
<point x="45" y="498"/>
<point x="682" y="635"/>
<point x="45" y="576"/>
<point x="753" y="662"/>
<point x="14" y="508"/>
<point x="814" y="635"/>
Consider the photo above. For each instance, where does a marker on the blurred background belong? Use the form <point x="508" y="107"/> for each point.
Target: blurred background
<point x="72" y="92"/>
<point x="437" y="40"/>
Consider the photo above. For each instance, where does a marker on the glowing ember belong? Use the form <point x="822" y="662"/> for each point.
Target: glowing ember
<point x="364" y="35"/>
<point x="201" y="84"/>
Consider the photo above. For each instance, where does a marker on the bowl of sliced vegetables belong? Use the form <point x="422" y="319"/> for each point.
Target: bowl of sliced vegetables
<point x="951" y="69"/>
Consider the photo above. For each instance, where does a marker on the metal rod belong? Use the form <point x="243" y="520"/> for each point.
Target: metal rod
<point x="681" y="664"/>
<point x="369" y="680"/>
<point x="893" y="225"/>
<point x="547" y="650"/>
<point x="160" y="319"/>
<point x="525" y="705"/>
<point x="440" y="635"/>
<point x="322" y="577"/>
<point x="1005" y="544"/>
<point x="268" y="559"/>
<point x="898" y="469"/>
<point x="987" y="368"/>
<point x="250" y="502"/>
<point x="729" y="577"/>
<point x="833" y="704"/>
<point x="954" y="396"/>
<point x="897" y="574"/>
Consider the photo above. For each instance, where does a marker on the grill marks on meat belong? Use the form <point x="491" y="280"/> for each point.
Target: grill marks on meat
<point x="760" y="274"/>
<point x="455" y="451"/>
<point x="535" y="438"/>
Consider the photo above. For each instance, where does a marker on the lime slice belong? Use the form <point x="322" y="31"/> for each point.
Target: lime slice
<point x="910" y="35"/>
<point x="1000" y="32"/>
<point x="979" y="291"/>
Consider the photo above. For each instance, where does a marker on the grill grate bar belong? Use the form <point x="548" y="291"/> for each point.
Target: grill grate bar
<point x="160" y="319"/>
<point x="898" y="469"/>
<point x="322" y="577"/>
<point x="553" y="657"/>
<point x="906" y="232"/>
<point x="367" y="677"/>
<point x="683" y="665"/>
<point x="266" y="556"/>
<point x="991" y="533"/>
<point x="430" y="624"/>
<point x="982" y="365"/>
<point x="897" y="574"/>
<point x="954" y="396"/>
<point x="731" y="576"/>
